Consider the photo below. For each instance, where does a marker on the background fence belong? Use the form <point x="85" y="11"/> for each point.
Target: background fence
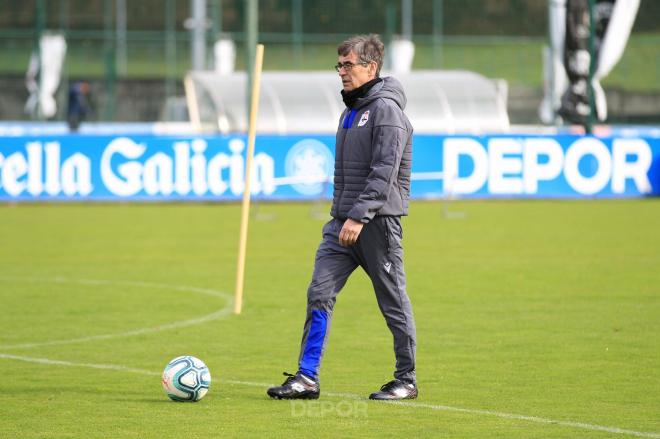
<point x="138" y="51"/>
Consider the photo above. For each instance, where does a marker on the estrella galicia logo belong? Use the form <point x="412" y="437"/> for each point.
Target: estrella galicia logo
<point x="308" y="166"/>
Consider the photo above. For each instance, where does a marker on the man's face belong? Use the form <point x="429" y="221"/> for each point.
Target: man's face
<point x="354" y="77"/>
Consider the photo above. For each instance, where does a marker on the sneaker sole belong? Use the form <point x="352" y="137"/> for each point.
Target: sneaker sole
<point x="413" y="396"/>
<point x="302" y="396"/>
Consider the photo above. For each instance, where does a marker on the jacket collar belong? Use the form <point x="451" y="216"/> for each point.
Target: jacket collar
<point x="351" y="98"/>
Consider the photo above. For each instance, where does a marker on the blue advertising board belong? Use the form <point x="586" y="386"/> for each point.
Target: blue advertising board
<point x="205" y="168"/>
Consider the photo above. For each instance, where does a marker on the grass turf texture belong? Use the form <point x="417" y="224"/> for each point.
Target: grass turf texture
<point x="536" y="308"/>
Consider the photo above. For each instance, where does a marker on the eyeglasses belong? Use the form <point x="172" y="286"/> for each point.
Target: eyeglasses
<point x="348" y="66"/>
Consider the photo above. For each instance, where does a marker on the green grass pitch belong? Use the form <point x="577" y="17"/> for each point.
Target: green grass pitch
<point x="535" y="319"/>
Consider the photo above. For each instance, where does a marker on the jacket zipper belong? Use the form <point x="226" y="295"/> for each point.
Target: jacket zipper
<point x="347" y="118"/>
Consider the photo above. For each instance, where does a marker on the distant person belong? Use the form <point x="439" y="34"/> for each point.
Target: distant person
<point x="78" y="104"/>
<point x="371" y="189"/>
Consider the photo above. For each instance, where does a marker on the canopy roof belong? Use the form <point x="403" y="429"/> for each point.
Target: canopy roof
<point x="310" y="102"/>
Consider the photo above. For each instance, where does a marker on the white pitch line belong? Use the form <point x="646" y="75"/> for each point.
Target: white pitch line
<point x="536" y="419"/>
<point x="414" y="405"/>
<point x="49" y="362"/>
<point x="222" y="312"/>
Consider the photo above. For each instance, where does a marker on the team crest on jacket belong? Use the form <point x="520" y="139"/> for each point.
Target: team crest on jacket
<point x="364" y="118"/>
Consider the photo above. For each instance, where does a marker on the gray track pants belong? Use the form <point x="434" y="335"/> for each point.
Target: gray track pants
<point x="378" y="251"/>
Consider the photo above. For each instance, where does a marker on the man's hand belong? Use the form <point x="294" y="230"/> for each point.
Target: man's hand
<point x="349" y="232"/>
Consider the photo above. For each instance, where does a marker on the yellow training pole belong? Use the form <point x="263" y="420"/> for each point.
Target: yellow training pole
<point x="245" y="210"/>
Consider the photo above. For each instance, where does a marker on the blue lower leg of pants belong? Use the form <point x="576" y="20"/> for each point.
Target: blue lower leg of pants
<point x="311" y="358"/>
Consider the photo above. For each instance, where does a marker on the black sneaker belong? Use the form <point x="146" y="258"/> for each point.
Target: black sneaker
<point x="394" y="390"/>
<point x="296" y="386"/>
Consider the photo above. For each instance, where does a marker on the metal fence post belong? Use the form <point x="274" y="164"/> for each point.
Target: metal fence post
<point x="216" y="22"/>
<point x="407" y="19"/>
<point x="592" y="68"/>
<point x="297" y="31"/>
<point x="40" y="24"/>
<point x="120" y="35"/>
<point x="198" y="30"/>
<point x="170" y="47"/>
<point x="437" y="33"/>
<point x="251" y="29"/>
<point x="110" y="71"/>
<point x="390" y="28"/>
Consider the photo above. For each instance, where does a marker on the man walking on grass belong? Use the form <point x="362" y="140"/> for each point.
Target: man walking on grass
<point x="371" y="191"/>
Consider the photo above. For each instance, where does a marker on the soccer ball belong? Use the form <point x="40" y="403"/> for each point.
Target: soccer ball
<point x="186" y="378"/>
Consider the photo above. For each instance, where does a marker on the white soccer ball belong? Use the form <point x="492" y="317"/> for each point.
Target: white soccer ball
<point x="186" y="379"/>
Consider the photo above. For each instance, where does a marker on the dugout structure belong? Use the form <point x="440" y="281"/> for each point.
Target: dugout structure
<point x="310" y="102"/>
